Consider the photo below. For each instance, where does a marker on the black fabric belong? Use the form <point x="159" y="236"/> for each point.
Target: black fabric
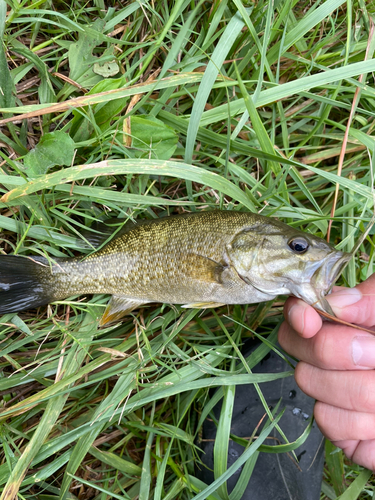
<point x="275" y="476"/>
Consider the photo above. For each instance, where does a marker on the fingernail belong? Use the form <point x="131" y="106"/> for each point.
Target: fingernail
<point x="344" y="298"/>
<point x="363" y="351"/>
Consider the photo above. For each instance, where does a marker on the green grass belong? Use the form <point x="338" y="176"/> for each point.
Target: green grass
<point x="166" y="107"/>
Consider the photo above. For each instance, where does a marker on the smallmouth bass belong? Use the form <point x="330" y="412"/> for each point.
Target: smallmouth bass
<point x="199" y="260"/>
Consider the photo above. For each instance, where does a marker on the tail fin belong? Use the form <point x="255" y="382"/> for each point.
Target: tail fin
<point x="24" y="283"/>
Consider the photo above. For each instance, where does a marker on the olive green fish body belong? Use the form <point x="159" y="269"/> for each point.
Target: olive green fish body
<point x="178" y="260"/>
<point x="198" y="259"/>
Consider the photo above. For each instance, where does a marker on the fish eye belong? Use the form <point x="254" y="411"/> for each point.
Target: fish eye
<point x="298" y="244"/>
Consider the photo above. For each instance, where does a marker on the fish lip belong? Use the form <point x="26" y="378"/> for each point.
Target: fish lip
<point x="336" y="269"/>
<point x="326" y="275"/>
<point x="323" y="278"/>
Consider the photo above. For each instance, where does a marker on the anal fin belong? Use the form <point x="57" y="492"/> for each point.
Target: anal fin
<point x="119" y="307"/>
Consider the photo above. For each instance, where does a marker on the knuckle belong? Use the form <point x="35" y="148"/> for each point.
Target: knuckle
<point x="304" y="378"/>
<point x="283" y="335"/>
<point x="363" y="453"/>
<point x="322" y="415"/>
<point x="322" y="351"/>
<point x="363" y="395"/>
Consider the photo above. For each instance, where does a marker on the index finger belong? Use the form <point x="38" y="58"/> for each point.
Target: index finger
<point x="354" y="305"/>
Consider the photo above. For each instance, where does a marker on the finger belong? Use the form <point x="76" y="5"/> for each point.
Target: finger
<point x="339" y="424"/>
<point x="302" y="317"/>
<point x="361" y="452"/>
<point x="334" y="347"/>
<point x="355" y="305"/>
<point x="348" y="390"/>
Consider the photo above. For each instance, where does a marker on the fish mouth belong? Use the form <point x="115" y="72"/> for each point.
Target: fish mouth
<point x="325" y="277"/>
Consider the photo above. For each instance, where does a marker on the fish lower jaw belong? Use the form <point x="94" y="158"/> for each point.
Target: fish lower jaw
<point x="307" y="293"/>
<point x="316" y="299"/>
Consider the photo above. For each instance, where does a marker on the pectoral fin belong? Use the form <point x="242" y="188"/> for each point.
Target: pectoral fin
<point x="119" y="307"/>
<point x="202" y="268"/>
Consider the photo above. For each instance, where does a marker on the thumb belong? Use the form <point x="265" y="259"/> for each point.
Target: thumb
<point x="355" y="305"/>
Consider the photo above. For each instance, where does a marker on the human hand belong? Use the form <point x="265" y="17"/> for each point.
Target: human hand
<point x="337" y="367"/>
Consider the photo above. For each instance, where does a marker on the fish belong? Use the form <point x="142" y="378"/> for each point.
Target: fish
<point x="199" y="260"/>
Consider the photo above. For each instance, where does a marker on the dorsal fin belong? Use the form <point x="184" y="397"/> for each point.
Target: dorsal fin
<point x="101" y="231"/>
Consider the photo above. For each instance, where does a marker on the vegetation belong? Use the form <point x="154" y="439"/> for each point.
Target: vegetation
<point x="141" y="109"/>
